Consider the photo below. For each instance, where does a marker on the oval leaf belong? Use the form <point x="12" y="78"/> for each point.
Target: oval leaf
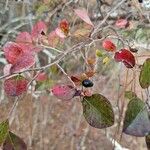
<point x="108" y="45"/>
<point x="37" y="30"/>
<point x="145" y="74"/>
<point x="12" y="52"/>
<point x="23" y="63"/>
<point x="126" y="57"/>
<point x="64" y="92"/>
<point x="15" y="86"/>
<point x="4" y="127"/>
<point x="64" y="26"/>
<point x="136" y="121"/>
<point x="83" y="14"/>
<point x="98" y="111"/>
<point x="13" y="142"/>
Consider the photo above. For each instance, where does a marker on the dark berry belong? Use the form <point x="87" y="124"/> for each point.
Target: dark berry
<point x="140" y="1"/>
<point x="87" y="83"/>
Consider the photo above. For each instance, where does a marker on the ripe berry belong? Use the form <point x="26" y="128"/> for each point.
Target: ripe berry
<point x="140" y="1"/>
<point x="87" y="83"/>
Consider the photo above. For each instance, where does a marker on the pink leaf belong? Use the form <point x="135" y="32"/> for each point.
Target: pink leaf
<point x="60" y="33"/>
<point x="126" y="57"/>
<point x="24" y="37"/>
<point x="64" y="92"/>
<point x="6" y="69"/>
<point x="15" y="86"/>
<point x="24" y="40"/>
<point x="42" y="76"/>
<point x="54" y="39"/>
<point x="29" y="48"/>
<point x="122" y="23"/>
<point x="38" y="29"/>
<point x="108" y="45"/>
<point x="25" y="62"/>
<point x="82" y="13"/>
<point x="12" y="52"/>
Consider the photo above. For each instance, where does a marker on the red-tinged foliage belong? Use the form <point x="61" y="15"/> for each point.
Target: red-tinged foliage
<point x="54" y="39"/>
<point x="83" y="14"/>
<point x="122" y="23"/>
<point x="6" y="69"/>
<point x="38" y="30"/>
<point x="126" y="57"/>
<point x="60" y="33"/>
<point x="12" y="52"/>
<point x="19" y="55"/>
<point x="108" y="45"/>
<point x="24" y="37"/>
<point x="64" y="92"/>
<point x="64" y="26"/>
<point x="76" y="80"/>
<point x="25" y="62"/>
<point x="30" y="48"/>
<point x="42" y="76"/>
<point x="24" y="40"/>
<point x="15" y="86"/>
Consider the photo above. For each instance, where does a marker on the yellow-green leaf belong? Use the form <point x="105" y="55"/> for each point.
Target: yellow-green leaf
<point x="145" y="74"/>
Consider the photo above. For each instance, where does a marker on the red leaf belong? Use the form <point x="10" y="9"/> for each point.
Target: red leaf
<point x="126" y="57"/>
<point x="64" y="26"/>
<point x="64" y="92"/>
<point x="24" y="37"/>
<point x="83" y="14"/>
<point x="24" y="40"/>
<point x="108" y="45"/>
<point x="42" y="76"/>
<point x="12" y="52"/>
<point x="75" y="79"/>
<point x="15" y="86"/>
<point x="25" y="62"/>
<point x="38" y="29"/>
<point x="122" y="23"/>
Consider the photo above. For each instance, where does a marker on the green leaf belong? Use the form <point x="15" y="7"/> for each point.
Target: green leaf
<point x="43" y="85"/>
<point x="130" y="95"/>
<point x="4" y="127"/>
<point x="136" y="121"/>
<point x="42" y="9"/>
<point x="145" y="74"/>
<point x="147" y="139"/>
<point x="98" y="111"/>
<point x="13" y="142"/>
